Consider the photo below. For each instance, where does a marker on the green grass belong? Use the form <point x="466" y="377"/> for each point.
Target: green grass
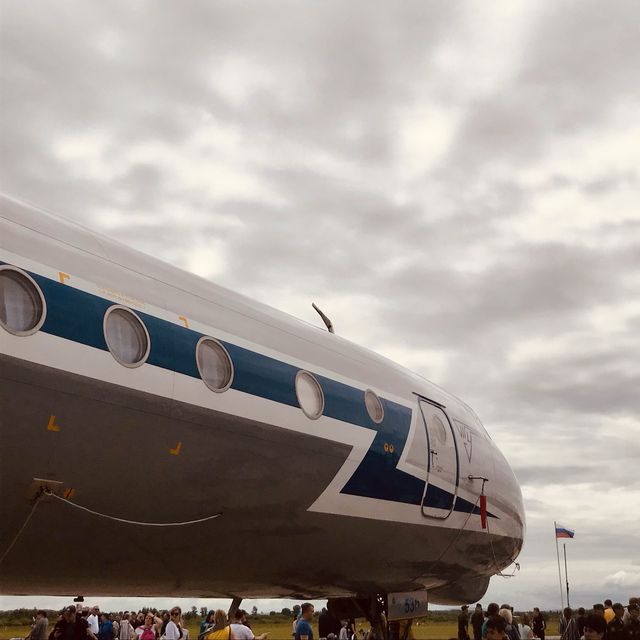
<point x="280" y="629"/>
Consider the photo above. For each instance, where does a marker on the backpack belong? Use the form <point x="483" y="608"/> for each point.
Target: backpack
<point x="205" y="632"/>
<point x="220" y="634"/>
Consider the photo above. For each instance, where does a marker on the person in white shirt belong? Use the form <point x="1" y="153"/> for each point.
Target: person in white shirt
<point x="126" y="630"/>
<point x="93" y="620"/>
<point x="239" y="630"/>
<point x="524" y="628"/>
<point x="174" y="630"/>
<point x="344" y="634"/>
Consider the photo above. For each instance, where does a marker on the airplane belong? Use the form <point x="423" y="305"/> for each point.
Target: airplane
<point x="164" y="436"/>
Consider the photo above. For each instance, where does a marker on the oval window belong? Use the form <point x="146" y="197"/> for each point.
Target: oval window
<point x="309" y="393"/>
<point x="126" y="336"/>
<point x="374" y="406"/>
<point x="439" y="430"/>
<point x="22" y="304"/>
<point x="214" y="364"/>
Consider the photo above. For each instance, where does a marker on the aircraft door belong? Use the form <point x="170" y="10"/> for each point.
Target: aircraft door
<point x="442" y="463"/>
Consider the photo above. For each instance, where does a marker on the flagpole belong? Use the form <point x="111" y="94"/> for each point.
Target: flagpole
<point x="566" y="575"/>
<point x="555" y="535"/>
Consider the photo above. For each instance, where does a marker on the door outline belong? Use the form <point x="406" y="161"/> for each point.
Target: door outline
<point x="425" y="401"/>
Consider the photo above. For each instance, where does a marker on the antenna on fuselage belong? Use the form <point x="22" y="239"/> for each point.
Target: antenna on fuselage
<point x="326" y="320"/>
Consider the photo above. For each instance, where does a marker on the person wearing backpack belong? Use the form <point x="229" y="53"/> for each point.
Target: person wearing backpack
<point x="510" y="630"/>
<point x="220" y="630"/>
<point x="147" y="631"/>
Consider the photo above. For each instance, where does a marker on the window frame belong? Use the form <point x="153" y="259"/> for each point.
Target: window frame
<point x="43" y="301"/>
<point x="229" y="360"/>
<point x="107" y="313"/>
<point x="304" y="373"/>
<point x="378" y="399"/>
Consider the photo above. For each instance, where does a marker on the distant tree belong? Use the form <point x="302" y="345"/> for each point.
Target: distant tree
<point x="286" y="612"/>
<point x="194" y="611"/>
<point x="203" y="611"/>
<point x="254" y="610"/>
<point x="272" y="613"/>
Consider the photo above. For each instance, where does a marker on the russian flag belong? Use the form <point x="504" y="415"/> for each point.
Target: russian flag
<point x="564" y="532"/>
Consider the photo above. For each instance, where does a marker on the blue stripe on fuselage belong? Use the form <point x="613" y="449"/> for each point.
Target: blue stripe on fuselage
<point x="78" y="316"/>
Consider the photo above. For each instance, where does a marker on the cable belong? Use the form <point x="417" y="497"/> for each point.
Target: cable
<point x="433" y="564"/>
<point x="141" y="524"/>
<point x="22" y="528"/>
<point x="493" y="553"/>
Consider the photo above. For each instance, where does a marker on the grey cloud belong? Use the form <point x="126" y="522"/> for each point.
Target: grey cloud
<point x="578" y="63"/>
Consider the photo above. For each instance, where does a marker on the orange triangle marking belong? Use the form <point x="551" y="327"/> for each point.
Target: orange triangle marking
<point x="52" y="426"/>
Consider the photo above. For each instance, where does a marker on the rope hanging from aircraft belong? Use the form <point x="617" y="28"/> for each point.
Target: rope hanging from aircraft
<point x="455" y="539"/>
<point x="47" y="492"/>
<point x="433" y="564"/>
<point x="493" y="553"/>
<point x="134" y="522"/>
<point x="22" y="528"/>
<point x="482" y="499"/>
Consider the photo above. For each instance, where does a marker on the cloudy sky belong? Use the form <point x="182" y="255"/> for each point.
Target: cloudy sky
<point x="456" y="184"/>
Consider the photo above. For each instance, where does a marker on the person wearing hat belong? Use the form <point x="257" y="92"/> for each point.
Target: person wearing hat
<point x="463" y="623"/>
<point x="70" y="626"/>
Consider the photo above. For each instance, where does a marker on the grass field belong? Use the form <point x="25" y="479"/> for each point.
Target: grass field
<point x="281" y="629"/>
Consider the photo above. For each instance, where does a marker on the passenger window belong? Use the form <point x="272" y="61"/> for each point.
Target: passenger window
<point x="22" y="304"/>
<point x="126" y="336"/>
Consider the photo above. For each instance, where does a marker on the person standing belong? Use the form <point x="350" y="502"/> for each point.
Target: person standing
<point x="173" y="630"/>
<point x="538" y="624"/>
<point x="580" y="621"/>
<point x="126" y="630"/>
<point x="595" y="627"/>
<point x="69" y="626"/>
<point x="632" y="625"/>
<point x="220" y="630"/>
<point x="615" y="628"/>
<point x="296" y="617"/>
<point x="93" y="620"/>
<point x="40" y="628"/>
<point x="304" y="631"/>
<point x="492" y="612"/>
<point x="463" y="622"/>
<point x="476" y="622"/>
<point x="510" y="630"/>
<point x="147" y="630"/>
<point x="568" y="627"/>
<point x="609" y="613"/>
<point x="239" y="629"/>
<point x="524" y="627"/>
<point x="495" y="628"/>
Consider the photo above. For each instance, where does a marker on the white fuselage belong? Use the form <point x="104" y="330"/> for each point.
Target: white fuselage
<point x="306" y="500"/>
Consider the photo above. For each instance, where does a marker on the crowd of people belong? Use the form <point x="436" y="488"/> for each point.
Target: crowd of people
<point x="606" y="621"/>
<point x="76" y="623"/>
